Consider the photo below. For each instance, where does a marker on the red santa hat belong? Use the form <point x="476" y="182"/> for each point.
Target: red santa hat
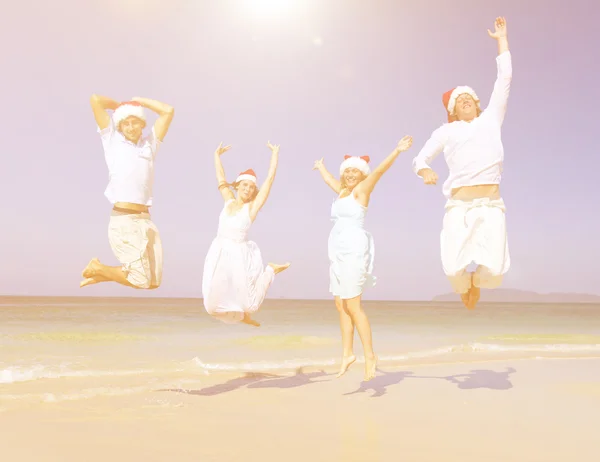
<point x="248" y="175"/>
<point x="128" y="109"/>
<point x="360" y="163"/>
<point x="449" y="99"/>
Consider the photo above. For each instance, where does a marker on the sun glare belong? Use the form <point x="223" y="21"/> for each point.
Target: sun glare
<point x="270" y="8"/>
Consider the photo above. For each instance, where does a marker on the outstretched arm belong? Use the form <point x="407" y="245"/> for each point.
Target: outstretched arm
<point x="499" y="98"/>
<point x="329" y="179"/>
<point x="368" y="184"/>
<point x="221" y="181"/>
<point x="265" y="188"/>
<point x="422" y="162"/>
<point x="164" y="111"/>
<point x="100" y="104"/>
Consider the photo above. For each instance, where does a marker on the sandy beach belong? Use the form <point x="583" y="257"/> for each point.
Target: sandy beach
<point x="528" y="403"/>
<point x="546" y="410"/>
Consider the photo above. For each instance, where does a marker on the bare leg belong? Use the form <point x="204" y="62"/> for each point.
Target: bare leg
<point x="279" y="268"/>
<point x="102" y="273"/>
<point x="466" y="296"/>
<point x="248" y="320"/>
<point x="347" y="328"/>
<point x="474" y="294"/>
<point x="462" y="282"/>
<point x="359" y="317"/>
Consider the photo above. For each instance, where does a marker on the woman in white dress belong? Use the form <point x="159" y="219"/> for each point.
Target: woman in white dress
<point x="234" y="282"/>
<point x="351" y="249"/>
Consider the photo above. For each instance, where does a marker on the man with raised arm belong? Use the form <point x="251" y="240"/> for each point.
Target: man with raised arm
<point x="474" y="226"/>
<point x="130" y="158"/>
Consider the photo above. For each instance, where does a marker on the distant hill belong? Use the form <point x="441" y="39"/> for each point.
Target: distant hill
<point x="524" y="296"/>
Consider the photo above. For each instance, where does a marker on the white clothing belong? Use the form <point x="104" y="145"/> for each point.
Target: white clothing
<point x="351" y="249"/>
<point x="473" y="150"/>
<point x="136" y="243"/>
<point x="475" y="231"/>
<point x="130" y="166"/>
<point x="234" y="281"/>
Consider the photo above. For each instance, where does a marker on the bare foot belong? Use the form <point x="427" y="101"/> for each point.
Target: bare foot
<point x="279" y="268"/>
<point x="90" y="269"/>
<point x="346" y="363"/>
<point x="248" y="320"/>
<point x="370" y="368"/>
<point x="87" y="282"/>
<point x="92" y="280"/>
<point x="465" y="298"/>
<point x="474" y="295"/>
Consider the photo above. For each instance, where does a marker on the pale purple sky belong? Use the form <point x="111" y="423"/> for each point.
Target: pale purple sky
<point x="333" y="78"/>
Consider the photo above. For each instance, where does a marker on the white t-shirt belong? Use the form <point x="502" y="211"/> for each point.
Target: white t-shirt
<point x="473" y="150"/>
<point x="130" y="166"/>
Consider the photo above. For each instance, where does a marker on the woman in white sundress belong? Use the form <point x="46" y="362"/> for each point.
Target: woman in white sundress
<point x="234" y="282"/>
<point x="351" y="249"/>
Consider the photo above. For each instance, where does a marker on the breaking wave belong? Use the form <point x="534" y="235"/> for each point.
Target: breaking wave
<point x="37" y="372"/>
<point x="475" y="349"/>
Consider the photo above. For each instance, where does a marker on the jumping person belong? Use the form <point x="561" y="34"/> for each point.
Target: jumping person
<point x="351" y="249"/>
<point x="474" y="226"/>
<point x="130" y="158"/>
<point x="234" y="282"/>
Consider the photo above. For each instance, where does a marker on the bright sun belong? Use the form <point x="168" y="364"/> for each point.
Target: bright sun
<point x="270" y="8"/>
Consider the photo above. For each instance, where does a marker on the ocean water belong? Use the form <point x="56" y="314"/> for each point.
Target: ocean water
<point x="54" y="349"/>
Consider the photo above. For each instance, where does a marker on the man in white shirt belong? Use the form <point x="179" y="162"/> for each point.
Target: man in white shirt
<point x="130" y="158"/>
<point x="474" y="228"/>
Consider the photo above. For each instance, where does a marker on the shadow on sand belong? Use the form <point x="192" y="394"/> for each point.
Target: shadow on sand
<point x="477" y="378"/>
<point x="258" y="380"/>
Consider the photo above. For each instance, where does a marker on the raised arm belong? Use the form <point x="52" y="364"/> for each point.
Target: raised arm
<point x="329" y="179"/>
<point x="499" y="98"/>
<point x="100" y="104"/>
<point x="265" y="188"/>
<point x="422" y="162"/>
<point x="221" y="181"/>
<point x="366" y="186"/>
<point x="165" y="115"/>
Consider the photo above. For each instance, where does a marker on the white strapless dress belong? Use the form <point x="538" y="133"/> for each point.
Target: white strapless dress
<point x="351" y="249"/>
<point x="234" y="281"/>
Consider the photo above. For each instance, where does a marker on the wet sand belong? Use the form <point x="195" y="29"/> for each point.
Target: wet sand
<point x="544" y="410"/>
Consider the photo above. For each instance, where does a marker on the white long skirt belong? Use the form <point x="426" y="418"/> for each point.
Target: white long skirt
<point x="234" y="281"/>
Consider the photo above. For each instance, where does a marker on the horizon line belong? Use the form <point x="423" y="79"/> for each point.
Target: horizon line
<point x="155" y="299"/>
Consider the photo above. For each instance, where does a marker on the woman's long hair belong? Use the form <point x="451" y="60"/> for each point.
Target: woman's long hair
<point x="343" y="181"/>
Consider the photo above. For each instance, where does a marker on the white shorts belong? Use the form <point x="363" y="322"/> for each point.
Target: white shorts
<point x="135" y="241"/>
<point x="475" y="232"/>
